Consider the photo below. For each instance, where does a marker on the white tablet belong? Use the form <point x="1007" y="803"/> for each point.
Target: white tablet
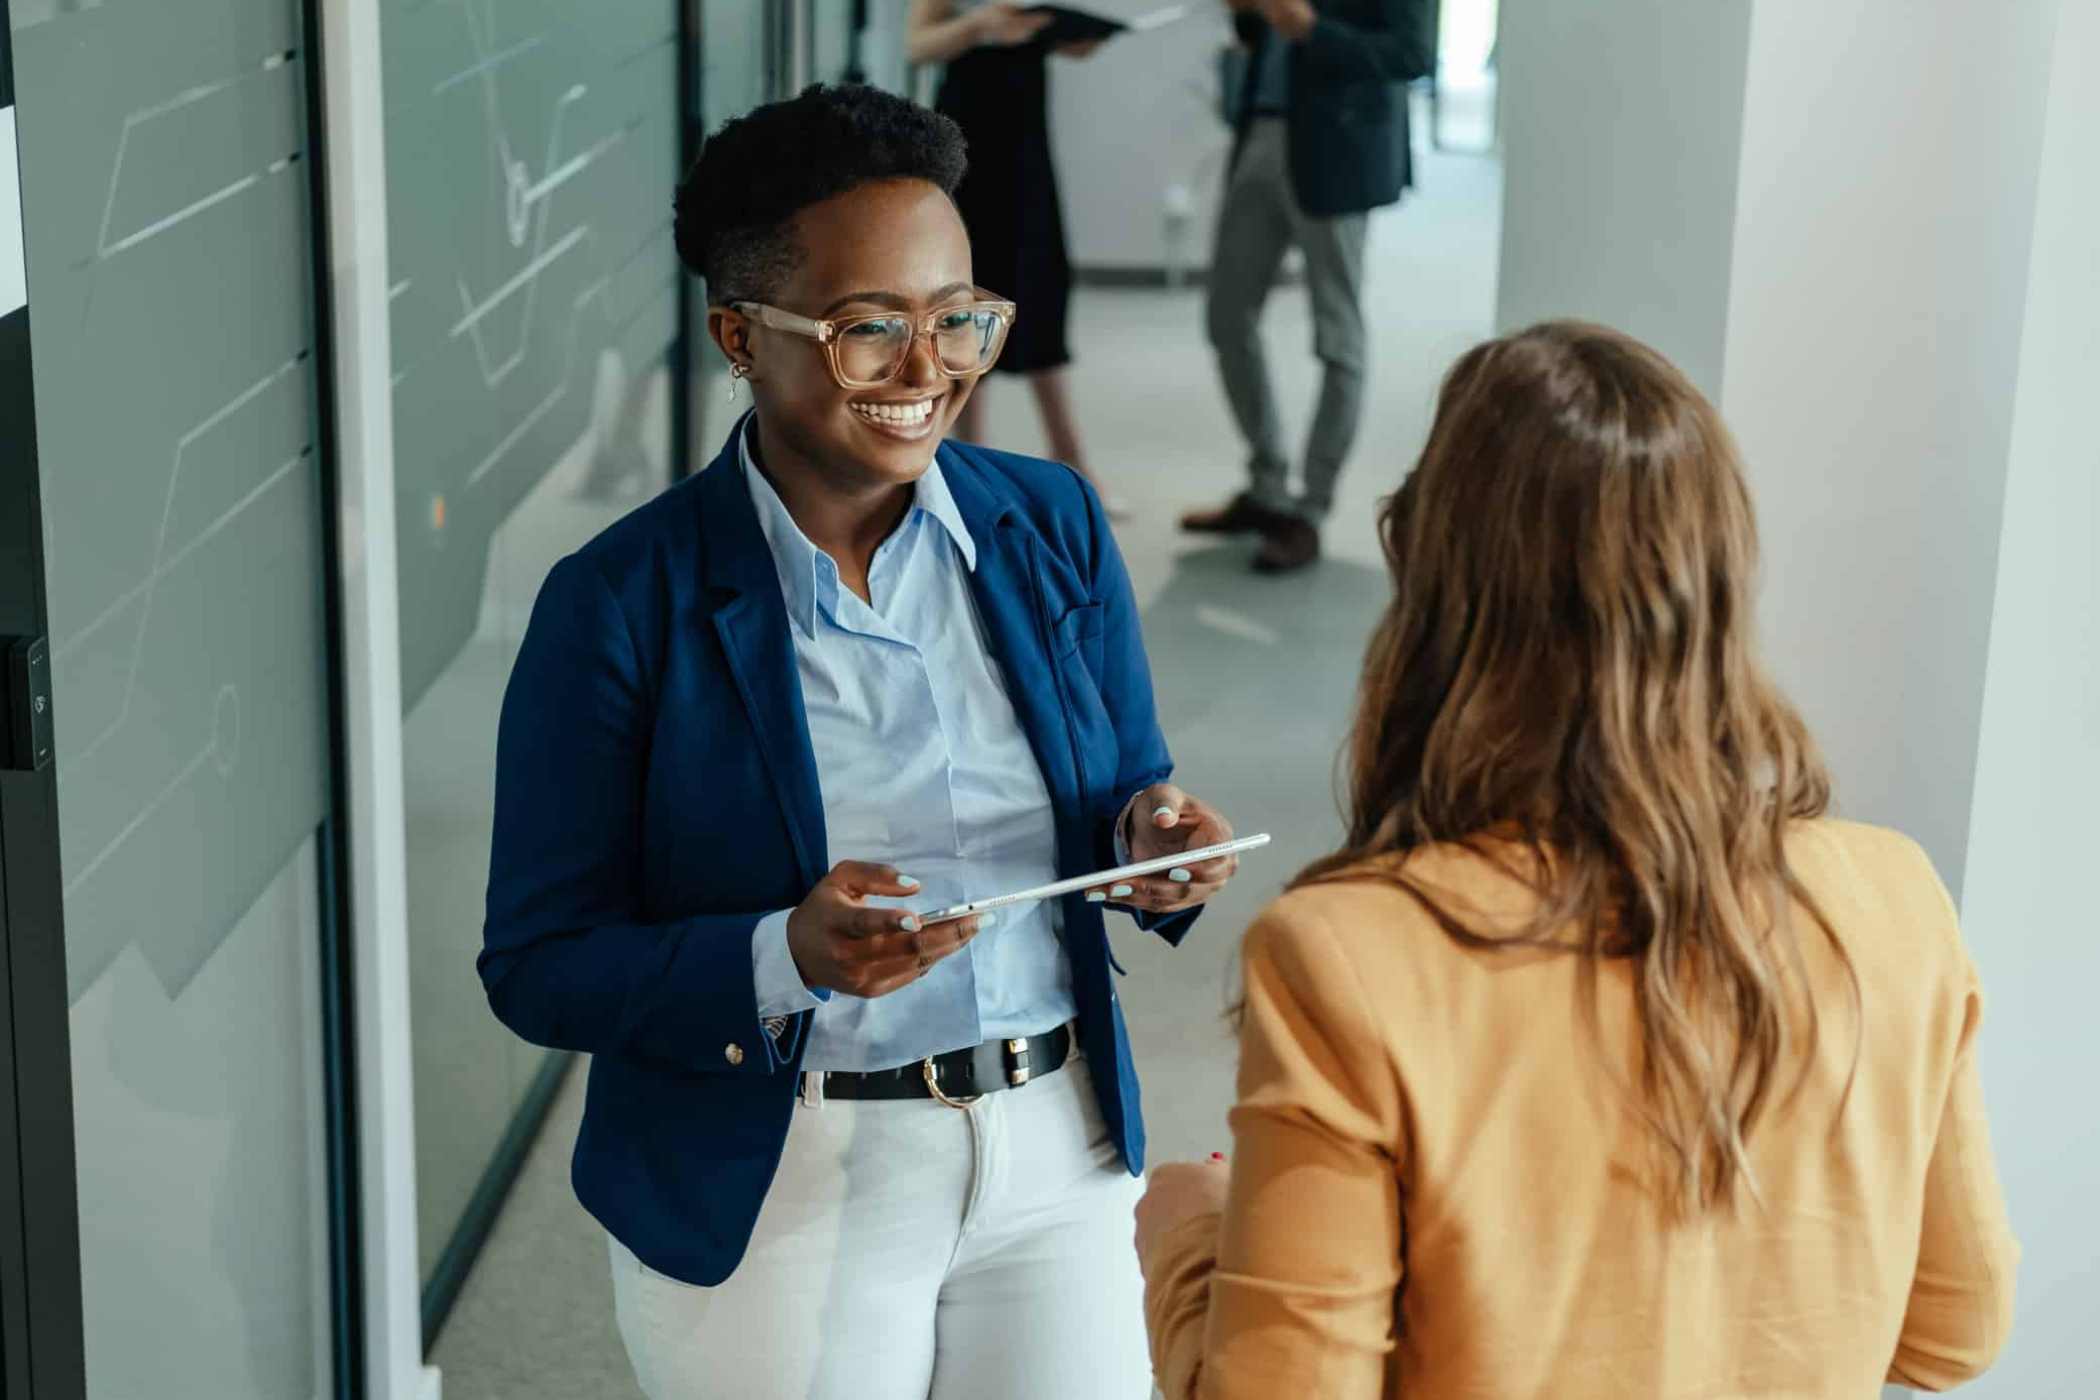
<point x="1100" y="879"/>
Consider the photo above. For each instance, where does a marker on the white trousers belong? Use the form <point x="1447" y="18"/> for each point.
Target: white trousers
<point x="912" y="1251"/>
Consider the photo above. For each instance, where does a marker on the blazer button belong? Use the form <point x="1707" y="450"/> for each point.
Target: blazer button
<point x="734" y="1054"/>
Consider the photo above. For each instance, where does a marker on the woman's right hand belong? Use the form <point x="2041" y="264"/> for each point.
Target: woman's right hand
<point x="841" y="942"/>
<point x="1004" y="26"/>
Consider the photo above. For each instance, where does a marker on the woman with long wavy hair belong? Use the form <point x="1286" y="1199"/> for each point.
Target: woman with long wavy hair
<point x="1600" y="1060"/>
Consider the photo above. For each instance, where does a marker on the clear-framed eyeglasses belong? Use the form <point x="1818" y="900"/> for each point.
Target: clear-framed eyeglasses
<point x="866" y="352"/>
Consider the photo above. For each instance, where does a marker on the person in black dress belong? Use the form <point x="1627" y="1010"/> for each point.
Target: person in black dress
<point x="996" y="90"/>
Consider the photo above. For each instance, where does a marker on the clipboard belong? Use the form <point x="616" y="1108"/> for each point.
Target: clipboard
<point x="1071" y="25"/>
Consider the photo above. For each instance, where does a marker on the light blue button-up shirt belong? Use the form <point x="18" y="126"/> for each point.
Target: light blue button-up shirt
<point x="923" y="765"/>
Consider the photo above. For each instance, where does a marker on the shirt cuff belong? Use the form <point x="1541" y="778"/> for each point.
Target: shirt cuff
<point x="1122" y="824"/>
<point x="779" y="985"/>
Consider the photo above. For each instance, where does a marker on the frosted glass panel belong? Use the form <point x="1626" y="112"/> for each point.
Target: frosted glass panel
<point x="882" y="47"/>
<point x="881" y="44"/>
<point x="166" y="192"/>
<point x="734" y="76"/>
<point x="169" y="261"/>
<point x="532" y="148"/>
<point x="831" y="37"/>
<point x="532" y="151"/>
<point x="202" y="1175"/>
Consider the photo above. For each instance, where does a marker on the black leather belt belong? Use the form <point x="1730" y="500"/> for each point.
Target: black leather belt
<point x="960" y="1075"/>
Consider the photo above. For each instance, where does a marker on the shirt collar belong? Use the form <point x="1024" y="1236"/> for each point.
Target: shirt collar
<point x="932" y="496"/>
<point x="809" y="578"/>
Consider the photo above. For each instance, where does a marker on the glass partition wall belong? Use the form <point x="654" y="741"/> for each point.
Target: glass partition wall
<point x="168" y="221"/>
<point x="551" y="372"/>
<point x="859" y="41"/>
<point x="747" y="52"/>
<point x="547" y="375"/>
<point x="738" y="62"/>
<point x="532" y="147"/>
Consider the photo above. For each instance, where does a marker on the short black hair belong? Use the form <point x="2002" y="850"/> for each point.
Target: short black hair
<point x="736" y="206"/>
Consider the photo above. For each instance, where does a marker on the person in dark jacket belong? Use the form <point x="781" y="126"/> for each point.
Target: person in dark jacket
<point x="1322" y="140"/>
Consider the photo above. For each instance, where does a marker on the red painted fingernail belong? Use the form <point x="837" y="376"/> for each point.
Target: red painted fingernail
<point x="1217" y="1156"/>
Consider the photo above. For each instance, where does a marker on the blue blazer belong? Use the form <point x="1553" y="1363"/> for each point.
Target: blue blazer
<point x="656" y="795"/>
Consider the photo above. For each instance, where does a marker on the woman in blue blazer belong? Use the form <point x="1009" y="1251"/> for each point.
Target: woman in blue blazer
<point x="847" y="672"/>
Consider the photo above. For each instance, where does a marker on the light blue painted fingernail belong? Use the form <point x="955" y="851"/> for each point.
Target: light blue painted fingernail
<point x="907" y="882"/>
<point x="985" y="921"/>
<point x="909" y="924"/>
<point x="1096" y="897"/>
<point x="1121" y="892"/>
<point x="1180" y="877"/>
<point x="1167" y="812"/>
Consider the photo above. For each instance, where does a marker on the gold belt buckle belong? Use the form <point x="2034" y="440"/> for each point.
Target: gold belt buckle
<point x="1017" y="1072"/>
<point x="932" y="1074"/>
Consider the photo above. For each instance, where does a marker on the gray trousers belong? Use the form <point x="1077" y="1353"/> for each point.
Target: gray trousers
<point x="1258" y="221"/>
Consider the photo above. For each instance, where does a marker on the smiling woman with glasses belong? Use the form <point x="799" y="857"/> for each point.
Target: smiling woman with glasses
<point x="849" y="672"/>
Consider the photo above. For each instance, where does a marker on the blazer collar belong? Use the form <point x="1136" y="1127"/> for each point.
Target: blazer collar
<point x="736" y="559"/>
<point x="983" y="498"/>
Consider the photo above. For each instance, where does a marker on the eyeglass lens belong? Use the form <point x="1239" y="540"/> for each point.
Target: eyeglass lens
<point x="966" y="340"/>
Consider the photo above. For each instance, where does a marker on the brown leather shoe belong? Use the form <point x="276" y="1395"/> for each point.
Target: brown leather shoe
<point x="1242" y="515"/>
<point x="1293" y="544"/>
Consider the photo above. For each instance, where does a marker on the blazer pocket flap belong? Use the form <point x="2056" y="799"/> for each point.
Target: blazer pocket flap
<point x="1081" y="624"/>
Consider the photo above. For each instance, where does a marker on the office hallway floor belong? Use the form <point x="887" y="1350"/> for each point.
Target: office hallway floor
<point x="1255" y="680"/>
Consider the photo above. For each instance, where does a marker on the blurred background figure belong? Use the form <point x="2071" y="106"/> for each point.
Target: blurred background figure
<point x="996" y="89"/>
<point x="1322" y="139"/>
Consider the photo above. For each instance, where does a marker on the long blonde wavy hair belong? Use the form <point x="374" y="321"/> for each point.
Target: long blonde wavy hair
<point x="1569" y="655"/>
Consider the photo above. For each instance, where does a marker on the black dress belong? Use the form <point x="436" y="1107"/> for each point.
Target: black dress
<point x="1000" y="99"/>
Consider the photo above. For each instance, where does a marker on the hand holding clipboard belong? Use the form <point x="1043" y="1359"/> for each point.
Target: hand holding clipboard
<point x="1069" y="25"/>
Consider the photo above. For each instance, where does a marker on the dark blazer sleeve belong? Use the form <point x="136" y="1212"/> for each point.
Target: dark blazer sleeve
<point x="1126" y="689"/>
<point x="1397" y="50"/>
<point x="565" y="959"/>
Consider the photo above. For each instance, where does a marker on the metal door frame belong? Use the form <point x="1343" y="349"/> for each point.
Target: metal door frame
<point x="42" y="1352"/>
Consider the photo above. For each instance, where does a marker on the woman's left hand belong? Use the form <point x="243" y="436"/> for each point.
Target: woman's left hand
<point x="1163" y="821"/>
<point x="1293" y="19"/>
<point x="1178" y="1192"/>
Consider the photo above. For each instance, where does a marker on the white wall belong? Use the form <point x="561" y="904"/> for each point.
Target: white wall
<point x="1822" y="212"/>
<point x="2029" y="909"/>
<point x="1883" y="216"/>
<point x="1621" y="125"/>
<point x="1138" y="116"/>
<point x="1906" y="346"/>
